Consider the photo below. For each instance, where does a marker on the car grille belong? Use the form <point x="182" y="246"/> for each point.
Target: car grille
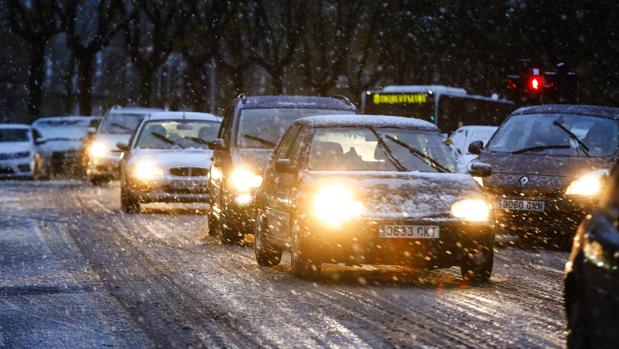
<point x="9" y="156"/>
<point x="189" y="171"/>
<point x="6" y="170"/>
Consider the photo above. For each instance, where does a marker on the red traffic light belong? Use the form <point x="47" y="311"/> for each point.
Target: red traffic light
<point x="536" y="83"/>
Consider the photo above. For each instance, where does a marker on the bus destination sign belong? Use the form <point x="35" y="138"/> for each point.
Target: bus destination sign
<point x="400" y="98"/>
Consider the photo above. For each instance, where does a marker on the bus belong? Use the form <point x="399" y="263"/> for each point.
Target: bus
<point x="448" y="107"/>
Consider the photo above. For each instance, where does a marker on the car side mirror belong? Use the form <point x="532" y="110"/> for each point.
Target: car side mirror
<point x="216" y="144"/>
<point x="122" y="146"/>
<point x="40" y="141"/>
<point x="476" y="147"/>
<point x="285" y="166"/>
<point x="480" y="169"/>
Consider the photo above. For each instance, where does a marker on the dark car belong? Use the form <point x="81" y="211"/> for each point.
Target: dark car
<point x="592" y="276"/>
<point x="549" y="164"/>
<point x="370" y="190"/>
<point x="250" y="129"/>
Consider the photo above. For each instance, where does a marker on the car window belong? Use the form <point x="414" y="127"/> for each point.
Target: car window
<point x="118" y="123"/>
<point x="177" y="134"/>
<point x="262" y="128"/>
<point x="358" y="149"/>
<point x="298" y="145"/>
<point x="225" y="126"/>
<point x="13" y="135"/>
<point x="600" y="135"/>
<point x="287" y="142"/>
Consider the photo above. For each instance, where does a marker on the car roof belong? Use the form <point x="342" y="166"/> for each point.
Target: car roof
<point x="578" y="109"/>
<point x="15" y="126"/>
<point x="134" y="110"/>
<point x="69" y="117"/>
<point x="296" y="102"/>
<point x="477" y="127"/>
<point x="180" y="115"/>
<point x="364" y="121"/>
<point x="423" y="89"/>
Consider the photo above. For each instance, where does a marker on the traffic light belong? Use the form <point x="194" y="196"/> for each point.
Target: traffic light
<point x="532" y="86"/>
<point x="536" y="83"/>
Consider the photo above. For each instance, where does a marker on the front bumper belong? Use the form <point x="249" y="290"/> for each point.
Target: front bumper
<point x="359" y="243"/>
<point x="105" y="166"/>
<point x="21" y="167"/>
<point x="561" y="215"/>
<point x="171" y="189"/>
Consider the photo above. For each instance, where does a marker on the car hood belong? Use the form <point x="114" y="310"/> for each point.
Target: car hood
<point x="170" y="158"/>
<point x="52" y="146"/>
<point x="397" y="195"/>
<point x="256" y="159"/>
<point x="541" y="165"/>
<point x="15" y="147"/>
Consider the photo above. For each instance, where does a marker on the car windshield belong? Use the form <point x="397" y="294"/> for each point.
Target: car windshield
<point x="557" y="134"/>
<point x="13" y="135"/>
<point x="120" y="123"/>
<point x="262" y="128"/>
<point x="62" y="129"/>
<point x="177" y="134"/>
<point x="361" y="149"/>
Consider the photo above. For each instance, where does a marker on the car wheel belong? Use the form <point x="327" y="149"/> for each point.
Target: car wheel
<point x="301" y="263"/>
<point x="129" y="202"/>
<point x="478" y="269"/>
<point x="98" y="181"/>
<point x="267" y="254"/>
<point x="574" y="308"/>
<point x="213" y="223"/>
<point x="228" y="235"/>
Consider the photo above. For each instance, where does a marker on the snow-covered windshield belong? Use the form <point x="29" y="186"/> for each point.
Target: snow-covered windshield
<point x="120" y="123"/>
<point x="566" y="135"/>
<point x="379" y="149"/>
<point x="62" y="129"/>
<point x="177" y="134"/>
<point x="13" y="135"/>
<point x="262" y="128"/>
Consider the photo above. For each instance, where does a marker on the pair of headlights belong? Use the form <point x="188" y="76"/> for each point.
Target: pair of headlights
<point x="336" y="205"/>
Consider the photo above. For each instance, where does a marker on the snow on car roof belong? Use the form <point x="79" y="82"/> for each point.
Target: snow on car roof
<point x="365" y="120"/>
<point x="134" y="110"/>
<point x="439" y="89"/>
<point x="167" y="115"/>
<point x="15" y="126"/>
<point x="61" y="118"/>
<point x="478" y="128"/>
<point x="296" y="102"/>
<point x="581" y="109"/>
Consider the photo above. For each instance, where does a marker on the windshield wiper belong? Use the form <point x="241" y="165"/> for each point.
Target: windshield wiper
<point x="582" y="145"/>
<point x="260" y="140"/>
<point x="392" y="158"/>
<point x="197" y="140"/>
<point x="124" y="127"/>
<point x="542" y="147"/>
<point x="429" y="160"/>
<point x="165" y="139"/>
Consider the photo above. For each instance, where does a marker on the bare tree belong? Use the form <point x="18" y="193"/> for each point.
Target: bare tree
<point x="36" y="22"/>
<point x="89" y="27"/>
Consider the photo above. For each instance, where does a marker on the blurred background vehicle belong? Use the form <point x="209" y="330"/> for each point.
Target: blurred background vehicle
<point x="168" y="159"/>
<point x="117" y="126"/>
<point x="61" y="143"/>
<point x="18" y="153"/>
<point x="250" y="129"/>
<point x="462" y="137"/>
<point x="448" y="107"/>
<point x="369" y="189"/>
<point x="592" y="276"/>
<point x="549" y="164"/>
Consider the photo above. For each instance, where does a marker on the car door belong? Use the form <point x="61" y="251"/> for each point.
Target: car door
<point x="221" y="161"/>
<point x="280" y="185"/>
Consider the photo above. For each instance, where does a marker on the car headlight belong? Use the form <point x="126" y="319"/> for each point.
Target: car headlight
<point x="472" y="210"/>
<point x="146" y="171"/>
<point x="97" y="150"/>
<point x="243" y="179"/>
<point x="334" y="205"/>
<point x="590" y="184"/>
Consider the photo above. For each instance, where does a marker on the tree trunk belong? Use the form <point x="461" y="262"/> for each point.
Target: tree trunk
<point x="145" y="72"/>
<point x="85" y="73"/>
<point x="277" y="80"/>
<point x="196" y="86"/>
<point x="36" y="77"/>
<point x="68" y="86"/>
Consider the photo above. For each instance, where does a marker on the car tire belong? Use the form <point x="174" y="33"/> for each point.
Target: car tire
<point x="267" y="254"/>
<point x="575" y="311"/>
<point x="227" y="234"/>
<point x="301" y="264"/>
<point x="478" y="269"/>
<point x="98" y="181"/>
<point x="129" y="203"/>
<point x="213" y="227"/>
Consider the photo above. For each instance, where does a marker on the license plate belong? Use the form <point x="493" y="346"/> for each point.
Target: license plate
<point x="409" y="232"/>
<point x="523" y="205"/>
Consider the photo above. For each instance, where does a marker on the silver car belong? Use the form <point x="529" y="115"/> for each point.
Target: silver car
<point x="168" y="159"/>
<point x="117" y="126"/>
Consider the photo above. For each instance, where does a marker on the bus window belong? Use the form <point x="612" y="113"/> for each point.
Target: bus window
<point x="457" y="111"/>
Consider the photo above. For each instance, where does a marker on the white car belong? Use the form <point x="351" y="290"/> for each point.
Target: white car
<point x="168" y="159"/>
<point x="462" y="137"/>
<point x="117" y="126"/>
<point x="61" y="142"/>
<point x="18" y="153"/>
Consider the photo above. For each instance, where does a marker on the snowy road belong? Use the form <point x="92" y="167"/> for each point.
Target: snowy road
<point x="75" y="271"/>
